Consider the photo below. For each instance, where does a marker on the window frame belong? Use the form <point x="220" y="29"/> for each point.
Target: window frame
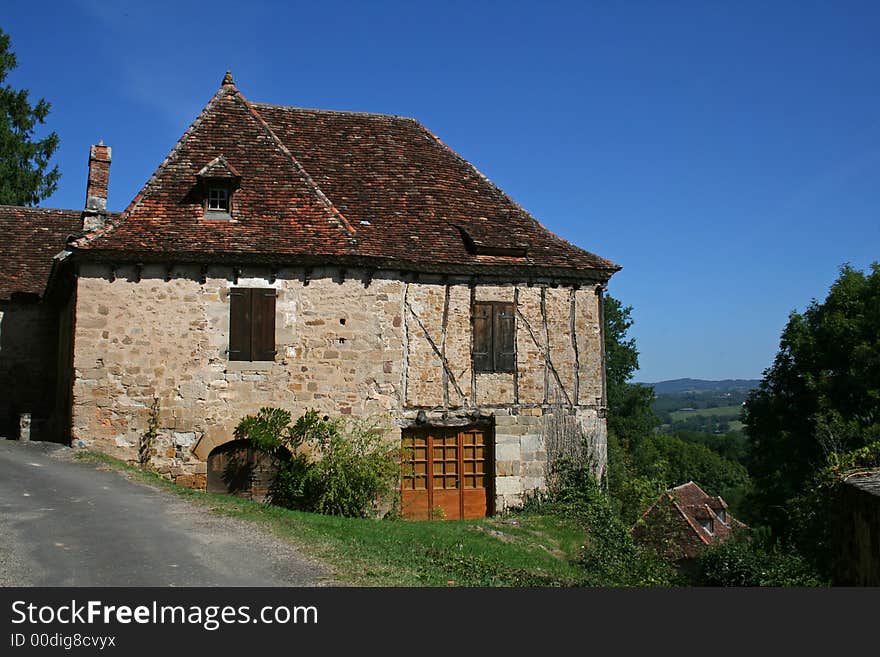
<point x="252" y="336"/>
<point x="500" y="361"/>
<point x="218" y="213"/>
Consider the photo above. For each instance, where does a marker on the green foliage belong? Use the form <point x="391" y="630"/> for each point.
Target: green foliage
<point x="753" y="560"/>
<point x="731" y="445"/>
<point x="865" y="458"/>
<point x="630" y="417"/>
<point x="338" y="468"/>
<point x="24" y="179"/>
<point x="631" y="493"/>
<point x="821" y="396"/>
<point x="148" y="439"/>
<point x="815" y="514"/>
<point x="610" y="557"/>
<point x="268" y="430"/>
<point x="674" y="461"/>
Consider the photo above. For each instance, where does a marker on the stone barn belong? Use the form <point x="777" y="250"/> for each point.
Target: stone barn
<point x="347" y="262"/>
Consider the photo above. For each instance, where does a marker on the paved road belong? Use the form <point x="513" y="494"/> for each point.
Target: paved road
<point x="70" y="523"/>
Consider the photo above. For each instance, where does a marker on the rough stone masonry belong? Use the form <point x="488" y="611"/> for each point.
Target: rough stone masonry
<point x="381" y="347"/>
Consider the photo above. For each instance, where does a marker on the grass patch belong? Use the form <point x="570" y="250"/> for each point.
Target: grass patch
<point x="521" y="550"/>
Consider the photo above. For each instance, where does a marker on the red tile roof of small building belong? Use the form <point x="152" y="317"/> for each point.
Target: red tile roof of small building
<point x="692" y="506"/>
<point x="697" y="505"/>
<point x="366" y="189"/>
<point x="31" y="238"/>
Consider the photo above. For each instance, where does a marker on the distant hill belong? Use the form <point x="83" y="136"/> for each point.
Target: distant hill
<point x="677" y="386"/>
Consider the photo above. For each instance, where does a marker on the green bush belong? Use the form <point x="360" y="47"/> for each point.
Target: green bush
<point x="610" y="557"/>
<point x="755" y="560"/>
<point x="337" y="468"/>
<point x="816" y="513"/>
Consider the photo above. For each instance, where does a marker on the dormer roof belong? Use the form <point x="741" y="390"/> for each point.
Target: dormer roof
<point x="218" y="169"/>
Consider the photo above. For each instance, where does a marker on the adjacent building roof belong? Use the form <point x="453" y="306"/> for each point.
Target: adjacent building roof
<point x="31" y="238"/>
<point x="331" y="186"/>
<point x="691" y="519"/>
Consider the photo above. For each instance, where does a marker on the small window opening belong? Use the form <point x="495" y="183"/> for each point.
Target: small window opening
<point x="218" y="199"/>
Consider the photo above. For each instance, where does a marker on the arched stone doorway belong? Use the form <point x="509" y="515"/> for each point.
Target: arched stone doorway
<point x="238" y="468"/>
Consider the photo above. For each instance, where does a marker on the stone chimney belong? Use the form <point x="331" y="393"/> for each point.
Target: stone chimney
<point x="95" y="213"/>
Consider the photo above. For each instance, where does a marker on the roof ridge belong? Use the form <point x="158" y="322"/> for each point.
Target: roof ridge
<point x="346" y="224"/>
<point x="690" y="521"/>
<point x="382" y="115"/>
<point x="501" y="194"/>
<point x="38" y="208"/>
<point x="123" y="216"/>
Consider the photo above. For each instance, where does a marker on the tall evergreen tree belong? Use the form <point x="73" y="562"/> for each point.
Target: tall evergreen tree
<point x="24" y="175"/>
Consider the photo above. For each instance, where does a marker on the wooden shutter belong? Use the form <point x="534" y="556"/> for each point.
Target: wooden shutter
<point x="482" y="352"/>
<point x="263" y="326"/>
<point x="240" y="324"/>
<point x="504" y="335"/>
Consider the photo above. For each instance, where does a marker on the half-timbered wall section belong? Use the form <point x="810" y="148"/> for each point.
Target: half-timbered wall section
<point x="387" y="345"/>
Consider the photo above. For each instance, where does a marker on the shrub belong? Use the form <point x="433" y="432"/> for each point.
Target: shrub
<point x="610" y="557"/>
<point x="338" y="467"/>
<point x="755" y="560"/>
<point x="816" y="513"/>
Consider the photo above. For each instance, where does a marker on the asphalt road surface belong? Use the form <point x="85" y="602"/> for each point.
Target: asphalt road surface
<point x="71" y="523"/>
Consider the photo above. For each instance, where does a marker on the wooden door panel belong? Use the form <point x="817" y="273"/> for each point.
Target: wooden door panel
<point x="415" y="497"/>
<point x="445" y="473"/>
<point x="447" y="505"/>
<point x="415" y="505"/>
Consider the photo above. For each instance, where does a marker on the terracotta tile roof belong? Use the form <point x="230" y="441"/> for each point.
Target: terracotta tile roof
<point x="333" y="186"/>
<point x="31" y="238"/>
<point x="694" y="510"/>
<point x="698" y="507"/>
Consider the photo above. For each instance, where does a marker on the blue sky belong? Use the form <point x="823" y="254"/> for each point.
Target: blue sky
<point x="726" y="154"/>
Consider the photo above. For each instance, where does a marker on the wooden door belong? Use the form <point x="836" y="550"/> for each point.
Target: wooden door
<point x="445" y="473"/>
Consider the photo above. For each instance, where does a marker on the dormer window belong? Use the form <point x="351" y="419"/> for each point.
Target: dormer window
<point x="218" y="200"/>
<point x="479" y="242"/>
<point x="218" y="180"/>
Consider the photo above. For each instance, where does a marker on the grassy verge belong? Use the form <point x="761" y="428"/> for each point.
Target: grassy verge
<point x="521" y="550"/>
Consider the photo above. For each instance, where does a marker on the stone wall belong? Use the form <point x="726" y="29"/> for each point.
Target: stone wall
<point x="857" y="532"/>
<point x="28" y="339"/>
<point x="382" y="346"/>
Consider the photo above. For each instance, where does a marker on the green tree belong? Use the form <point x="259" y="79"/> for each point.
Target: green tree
<point x="674" y="461"/>
<point x="820" y="397"/>
<point x="24" y="178"/>
<point x="630" y="417"/>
